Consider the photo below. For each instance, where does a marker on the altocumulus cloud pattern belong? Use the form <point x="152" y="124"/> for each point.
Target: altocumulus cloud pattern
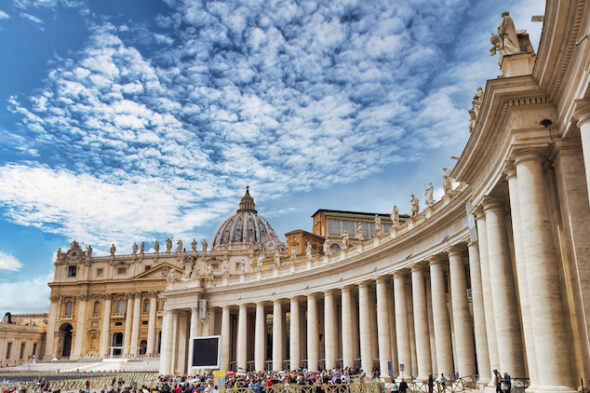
<point x="156" y="127"/>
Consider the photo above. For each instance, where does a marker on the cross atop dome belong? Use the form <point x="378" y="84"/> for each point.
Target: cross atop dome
<point x="247" y="202"/>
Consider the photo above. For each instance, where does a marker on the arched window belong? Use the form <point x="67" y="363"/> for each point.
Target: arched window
<point x="96" y="308"/>
<point x="68" y="312"/>
<point x="121" y="306"/>
<point x="146" y="306"/>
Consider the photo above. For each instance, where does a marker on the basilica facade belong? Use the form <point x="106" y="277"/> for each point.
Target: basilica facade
<point x="495" y="275"/>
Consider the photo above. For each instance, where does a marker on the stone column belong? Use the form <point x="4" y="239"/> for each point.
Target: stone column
<point x="331" y="335"/>
<point x="431" y="339"/>
<point x="225" y="338"/>
<point x="486" y="285"/>
<point x="542" y="268"/>
<point x="180" y="347"/>
<point x="582" y="114"/>
<point x="277" y="336"/>
<point x="195" y="330"/>
<point x="105" y="331"/>
<point x="465" y="354"/>
<point x="421" y="324"/>
<point x="365" y="328"/>
<point x="479" y="317"/>
<point x="294" y="337"/>
<point x="80" y="327"/>
<point x="260" y="338"/>
<point x="383" y="326"/>
<point x="136" y="322"/>
<point x="166" y="347"/>
<point x="522" y="277"/>
<point x="313" y="344"/>
<point x="51" y="322"/>
<point x="242" y="342"/>
<point x="128" y="321"/>
<point x="347" y="348"/>
<point x="401" y="322"/>
<point x="151" y="339"/>
<point x="506" y="310"/>
<point x="440" y="315"/>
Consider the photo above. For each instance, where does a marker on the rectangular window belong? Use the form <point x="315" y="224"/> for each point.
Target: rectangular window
<point x="371" y="230"/>
<point x="333" y="227"/>
<point x="387" y="227"/>
<point x="22" y="351"/>
<point x="121" y="270"/>
<point x="99" y="272"/>
<point x="348" y="227"/>
<point x="8" y="350"/>
<point x="147" y="267"/>
<point x="144" y="322"/>
<point x="118" y="323"/>
<point x="71" y="271"/>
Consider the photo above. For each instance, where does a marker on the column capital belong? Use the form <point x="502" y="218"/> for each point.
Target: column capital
<point x="330" y="291"/>
<point x="381" y="279"/>
<point x="400" y="273"/>
<point x="277" y="301"/>
<point x="527" y="154"/>
<point x="456" y="250"/>
<point x="477" y="211"/>
<point x="510" y="170"/>
<point x="364" y="284"/>
<point x="436" y="260"/>
<point x="346" y="288"/>
<point x="582" y="111"/>
<point x="493" y="203"/>
<point x="419" y="267"/>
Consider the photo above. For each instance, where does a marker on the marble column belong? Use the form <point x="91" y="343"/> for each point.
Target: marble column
<point x="277" y="336"/>
<point x="421" y="324"/>
<point x="431" y="339"/>
<point x="373" y="324"/>
<point x="294" y="336"/>
<point x="151" y="339"/>
<point x="105" y="331"/>
<point x="479" y="317"/>
<point x="486" y="285"/>
<point x="260" y="338"/>
<point x="383" y="326"/>
<point x="80" y="327"/>
<point x="128" y="324"/>
<point x="465" y="353"/>
<point x="506" y="310"/>
<point x="582" y="114"/>
<point x="166" y="347"/>
<point x="347" y="325"/>
<point x="181" y="343"/>
<point x="242" y="341"/>
<point x="330" y="333"/>
<point x="522" y="277"/>
<point x="440" y="315"/>
<point x="365" y="328"/>
<point x="136" y="321"/>
<point x="542" y="268"/>
<point x="313" y="343"/>
<point x="225" y="338"/>
<point x="51" y="325"/>
<point x="401" y="319"/>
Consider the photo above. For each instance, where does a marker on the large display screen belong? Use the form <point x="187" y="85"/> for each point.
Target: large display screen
<point x="206" y="352"/>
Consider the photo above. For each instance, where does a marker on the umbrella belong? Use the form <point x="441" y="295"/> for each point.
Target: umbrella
<point x="230" y="373"/>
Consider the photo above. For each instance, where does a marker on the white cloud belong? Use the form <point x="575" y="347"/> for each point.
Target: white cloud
<point x="8" y="262"/>
<point x="36" y="299"/>
<point x="4" y="15"/>
<point x="32" y="18"/>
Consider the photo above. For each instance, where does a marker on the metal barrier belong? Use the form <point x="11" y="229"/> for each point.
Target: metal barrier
<point x="356" y="387"/>
<point x="78" y="382"/>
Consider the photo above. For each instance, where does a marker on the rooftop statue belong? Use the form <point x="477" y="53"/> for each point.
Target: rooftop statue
<point x="277" y="259"/>
<point x="89" y="251"/>
<point x="204" y="244"/>
<point x="194" y="246"/>
<point x="134" y="249"/>
<point x="326" y="248"/>
<point x="447" y="181"/>
<point x="259" y="262"/>
<point x="293" y="253"/>
<point x="395" y="216"/>
<point x="415" y="206"/>
<point x="157" y="247"/>
<point x="113" y="249"/>
<point x="168" y="245"/>
<point x="345" y="241"/>
<point x="179" y="247"/>
<point x="429" y="195"/>
<point x="359" y="232"/>
<point x="507" y="41"/>
<point x="142" y="248"/>
<point x="378" y="225"/>
<point x="308" y="251"/>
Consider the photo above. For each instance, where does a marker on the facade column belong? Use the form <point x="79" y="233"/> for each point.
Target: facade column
<point x="277" y="336"/>
<point x="330" y="333"/>
<point x="313" y="343"/>
<point x="105" y="331"/>
<point x="128" y="321"/>
<point x="225" y="338"/>
<point x="506" y="310"/>
<point x="347" y="346"/>
<point x="365" y="328"/>
<point x="181" y="340"/>
<point x="51" y="322"/>
<point x="440" y="315"/>
<point x="465" y="354"/>
<point x="486" y="285"/>
<point x="582" y="114"/>
<point x="193" y="332"/>
<point x="242" y="341"/>
<point x="479" y="316"/>
<point x="260" y="338"/>
<point x="151" y="339"/>
<point x="542" y="268"/>
<point x="383" y="326"/>
<point x="80" y="327"/>
<point x="421" y="324"/>
<point x="522" y="277"/>
<point x="401" y="322"/>
<point x="166" y="347"/>
<point x="136" y="322"/>
<point x="295" y="336"/>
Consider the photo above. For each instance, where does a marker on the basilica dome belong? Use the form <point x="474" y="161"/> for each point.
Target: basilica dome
<point x="246" y="226"/>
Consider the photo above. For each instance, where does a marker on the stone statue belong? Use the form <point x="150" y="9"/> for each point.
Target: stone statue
<point x="415" y="206"/>
<point x="134" y="249"/>
<point x="225" y="265"/>
<point x="59" y="253"/>
<point x="142" y="248"/>
<point x="345" y="240"/>
<point x="157" y="247"/>
<point x="429" y="195"/>
<point x="89" y="251"/>
<point x="204" y="244"/>
<point x="359" y="232"/>
<point x="507" y="33"/>
<point x="395" y="216"/>
<point x="179" y="247"/>
<point x="277" y="259"/>
<point x="378" y="224"/>
<point x="447" y="181"/>
<point x="194" y="246"/>
<point x="293" y="253"/>
<point x="171" y="275"/>
<point x="326" y="248"/>
<point x="113" y="249"/>
<point x="308" y="251"/>
<point x="259" y="262"/>
<point x="168" y="245"/>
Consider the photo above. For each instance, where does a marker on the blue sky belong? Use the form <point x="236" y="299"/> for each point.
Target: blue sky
<point x="125" y="121"/>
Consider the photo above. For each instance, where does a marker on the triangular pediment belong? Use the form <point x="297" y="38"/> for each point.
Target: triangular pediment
<point x="156" y="272"/>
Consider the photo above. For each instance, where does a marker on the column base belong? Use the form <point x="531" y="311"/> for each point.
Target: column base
<point x="550" y="389"/>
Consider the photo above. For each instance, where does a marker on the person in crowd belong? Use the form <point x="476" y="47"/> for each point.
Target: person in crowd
<point x="403" y="386"/>
<point x="430" y="384"/>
